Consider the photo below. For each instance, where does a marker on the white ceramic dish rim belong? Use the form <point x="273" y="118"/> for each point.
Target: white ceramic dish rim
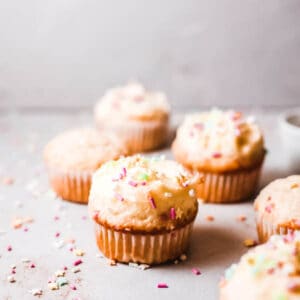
<point x="283" y="118"/>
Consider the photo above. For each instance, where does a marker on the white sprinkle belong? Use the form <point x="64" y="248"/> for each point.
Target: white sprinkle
<point x="25" y="260"/>
<point x="36" y="292"/>
<point x="60" y="273"/>
<point x="11" y="279"/>
<point x="58" y="244"/>
<point x="137" y="266"/>
<point x="53" y="286"/>
<point x="168" y="195"/>
<point x="192" y="193"/>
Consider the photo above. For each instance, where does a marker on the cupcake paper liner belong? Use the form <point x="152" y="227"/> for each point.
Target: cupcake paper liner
<point x="228" y="187"/>
<point x="140" y="136"/>
<point x="146" y="248"/>
<point x="265" y="228"/>
<point x="71" y="186"/>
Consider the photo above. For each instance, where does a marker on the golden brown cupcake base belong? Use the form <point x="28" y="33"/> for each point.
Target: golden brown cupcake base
<point x="228" y="187"/>
<point x="73" y="187"/>
<point x="150" y="249"/>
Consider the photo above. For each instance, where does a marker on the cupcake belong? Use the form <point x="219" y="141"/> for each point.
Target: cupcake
<point x="72" y="157"/>
<point x="277" y="207"/>
<point x="268" y="272"/>
<point x="139" y="116"/>
<point x="226" y="149"/>
<point x="143" y="209"/>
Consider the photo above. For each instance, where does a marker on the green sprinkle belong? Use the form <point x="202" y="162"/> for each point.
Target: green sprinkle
<point x="61" y="281"/>
<point x="143" y="177"/>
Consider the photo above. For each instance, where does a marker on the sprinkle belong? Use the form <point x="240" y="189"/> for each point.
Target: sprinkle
<point x="112" y="262"/>
<point x="53" y="286"/>
<point x="183" y="257"/>
<point x="8" y="181"/>
<point x="196" y="271"/>
<point x="59" y="244"/>
<point x="84" y="218"/>
<point x="192" y="193"/>
<point x="9" y="248"/>
<point x="13" y="271"/>
<point x="162" y="285"/>
<point x="210" y="218"/>
<point x="75" y="270"/>
<point x="124" y="172"/>
<point x="56" y="218"/>
<point x="241" y="218"/>
<point x="119" y="197"/>
<point x="132" y="183"/>
<point x="32" y="266"/>
<point x="250" y="243"/>
<point x="36" y="292"/>
<point x="77" y="262"/>
<point x="60" y="273"/>
<point x="137" y="266"/>
<point x="172" y="213"/>
<point x="268" y="208"/>
<point x="73" y="287"/>
<point x="25" y="260"/>
<point x="152" y="202"/>
<point x="11" y="279"/>
<point x="57" y="234"/>
<point x="143" y="176"/>
<point x="294" y="186"/>
<point x="199" y="126"/>
<point x="168" y="194"/>
<point x="217" y="155"/>
<point x="95" y="215"/>
<point x="61" y="281"/>
<point x="78" y="252"/>
<point x="65" y="268"/>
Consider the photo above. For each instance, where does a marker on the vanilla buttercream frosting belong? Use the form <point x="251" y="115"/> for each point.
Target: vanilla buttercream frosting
<point x="268" y="272"/>
<point x="219" y="141"/>
<point x="82" y="149"/>
<point x="143" y="195"/>
<point x="279" y="202"/>
<point x="132" y="102"/>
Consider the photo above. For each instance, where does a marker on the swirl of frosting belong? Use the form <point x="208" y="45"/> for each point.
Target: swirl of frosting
<point x="83" y="149"/>
<point x="133" y="102"/>
<point x="267" y="272"/>
<point x="219" y="141"/>
<point x="280" y="202"/>
<point x="143" y="195"/>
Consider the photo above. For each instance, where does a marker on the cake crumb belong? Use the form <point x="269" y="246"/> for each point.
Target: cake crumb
<point x="183" y="257"/>
<point x="241" y="218"/>
<point x="250" y="242"/>
<point x="210" y="218"/>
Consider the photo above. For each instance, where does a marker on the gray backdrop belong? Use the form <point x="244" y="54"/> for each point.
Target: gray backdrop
<point x="219" y="52"/>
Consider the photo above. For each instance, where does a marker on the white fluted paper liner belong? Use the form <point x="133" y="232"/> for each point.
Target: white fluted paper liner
<point x="266" y="228"/>
<point x="228" y="187"/>
<point x="72" y="186"/>
<point x="127" y="247"/>
<point x="140" y="136"/>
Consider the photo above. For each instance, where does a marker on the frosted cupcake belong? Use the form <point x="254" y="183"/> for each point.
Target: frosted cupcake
<point x="267" y="272"/>
<point x="226" y="149"/>
<point x="73" y="156"/>
<point x="143" y="209"/>
<point x="139" y="116"/>
<point x="277" y="207"/>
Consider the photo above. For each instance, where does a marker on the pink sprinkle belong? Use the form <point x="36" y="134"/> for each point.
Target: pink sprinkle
<point x="132" y="183"/>
<point x="95" y="215"/>
<point x="172" y="213"/>
<point x="162" y="285"/>
<point x="65" y="268"/>
<point x="185" y="184"/>
<point x="25" y="229"/>
<point x="13" y="271"/>
<point x="199" y="126"/>
<point x="56" y="218"/>
<point x="9" y="248"/>
<point x="143" y="183"/>
<point x="73" y="287"/>
<point x="119" y="197"/>
<point x="268" y="208"/>
<point x="196" y="271"/>
<point x="217" y="155"/>
<point x="77" y="262"/>
<point x="152" y="202"/>
<point x="32" y="266"/>
<point x="57" y="234"/>
<point x="84" y="218"/>
<point x="124" y="172"/>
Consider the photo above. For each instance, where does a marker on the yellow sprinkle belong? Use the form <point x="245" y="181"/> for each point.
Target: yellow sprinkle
<point x="60" y="273"/>
<point x="249" y="243"/>
<point x="53" y="286"/>
<point x="78" y="252"/>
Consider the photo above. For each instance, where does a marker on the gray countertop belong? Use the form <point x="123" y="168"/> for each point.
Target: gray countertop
<point x="214" y="244"/>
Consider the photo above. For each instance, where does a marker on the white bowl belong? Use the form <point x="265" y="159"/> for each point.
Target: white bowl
<point x="289" y="123"/>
